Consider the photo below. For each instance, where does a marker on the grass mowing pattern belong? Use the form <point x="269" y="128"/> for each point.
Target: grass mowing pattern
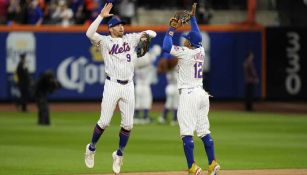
<point x="242" y="140"/>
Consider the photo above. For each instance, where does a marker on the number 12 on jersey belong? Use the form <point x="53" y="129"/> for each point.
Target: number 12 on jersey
<point x="198" y="71"/>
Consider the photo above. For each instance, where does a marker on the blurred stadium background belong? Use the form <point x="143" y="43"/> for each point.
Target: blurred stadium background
<point x="274" y="136"/>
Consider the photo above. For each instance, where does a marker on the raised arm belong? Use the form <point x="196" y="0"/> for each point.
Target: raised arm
<point x="91" y="31"/>
<point x="194" y="24"/>
<point x="168" y="40"/>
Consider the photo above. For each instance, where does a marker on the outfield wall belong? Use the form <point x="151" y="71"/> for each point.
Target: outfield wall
<point x="80" y="68"/>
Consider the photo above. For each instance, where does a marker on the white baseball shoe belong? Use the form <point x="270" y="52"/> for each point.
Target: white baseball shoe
<point x="117" y="162"/>
<point x="89" y="157"/>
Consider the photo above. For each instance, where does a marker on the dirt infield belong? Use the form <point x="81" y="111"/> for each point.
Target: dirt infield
<point x="280" y="107"/>
<point x="235" y="172"/>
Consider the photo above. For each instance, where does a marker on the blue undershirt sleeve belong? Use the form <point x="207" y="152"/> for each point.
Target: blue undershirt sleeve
<point x="168" y="40"/>
<point x="194" y="24"/>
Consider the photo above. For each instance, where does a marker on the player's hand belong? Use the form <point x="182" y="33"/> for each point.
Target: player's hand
<point x="193" y="9"/>
<point x="105" y="12"/>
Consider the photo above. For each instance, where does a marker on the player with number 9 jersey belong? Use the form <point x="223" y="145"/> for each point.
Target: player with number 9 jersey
<point x="119" y="53"/>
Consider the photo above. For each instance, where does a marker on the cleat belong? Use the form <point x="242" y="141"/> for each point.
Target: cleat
<point x="89" y="157"/>
<point x="117" y="162"/>
<point x="214" y="168"/>
<point x="195" y="170"/>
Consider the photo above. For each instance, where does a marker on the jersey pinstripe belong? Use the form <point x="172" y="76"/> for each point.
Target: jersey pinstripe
<point x="145" y="75"/>
<point x="171" y="91"/>
<point x="119" y="55"/>
<point x="193" y="106"/>
<point x="143" y="78"/>
<point x="123" y="95"/>
<point x="190" y="66"/>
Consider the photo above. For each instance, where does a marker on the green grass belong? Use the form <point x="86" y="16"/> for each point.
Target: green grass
<point x="242" y="140"/>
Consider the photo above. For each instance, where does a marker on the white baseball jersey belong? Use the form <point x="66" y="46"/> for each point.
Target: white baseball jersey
<point x="143" y="78"/>
<point x="190" y="66"/>
<point x="143" y="97"/>
<point x="193" y="106"/>
<point x="119" y="55"/>
<point x="171" y="91"/>
<point x="145" y="75"/>
<point x="171" y="76"/>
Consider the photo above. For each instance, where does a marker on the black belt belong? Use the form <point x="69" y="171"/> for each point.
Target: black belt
<point x="123" y="82"/>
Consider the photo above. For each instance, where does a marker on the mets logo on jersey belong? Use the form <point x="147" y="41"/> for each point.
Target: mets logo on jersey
<point x="116" y="49"/>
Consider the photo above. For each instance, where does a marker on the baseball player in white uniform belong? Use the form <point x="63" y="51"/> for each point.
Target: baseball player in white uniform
<point x="145" y="74"/>
<point x="118" y="51"/>
<point x="172" y="94"/>
<point x="194" y="100"/>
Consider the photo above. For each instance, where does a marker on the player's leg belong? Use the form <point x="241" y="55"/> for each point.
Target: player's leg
<point x="126" y="106"/>
<point x="24" y="98"/>
<point x="203" y="132"/>
<point x="163" y="118"/>
<point x="187" y="118"/>
<point x="249" y="88"/>
<point x="108" y="105"/>
<point x="188" y="147"/>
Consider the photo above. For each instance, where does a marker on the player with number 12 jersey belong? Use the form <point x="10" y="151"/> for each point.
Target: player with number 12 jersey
<point x="194" y="103"/>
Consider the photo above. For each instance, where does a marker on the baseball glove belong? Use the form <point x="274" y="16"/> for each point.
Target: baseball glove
<point x="143" y="46"/>
<point x="180" y="18"/>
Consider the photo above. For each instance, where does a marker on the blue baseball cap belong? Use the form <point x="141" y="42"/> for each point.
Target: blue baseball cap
<point x="115" y="20"/>
<point x="194" y="38"/>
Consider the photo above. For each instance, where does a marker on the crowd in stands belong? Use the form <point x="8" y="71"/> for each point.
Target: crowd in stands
<point x="80" y="12"/>
<point x="74" y="12"/>
<point x="58" y="12"/>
